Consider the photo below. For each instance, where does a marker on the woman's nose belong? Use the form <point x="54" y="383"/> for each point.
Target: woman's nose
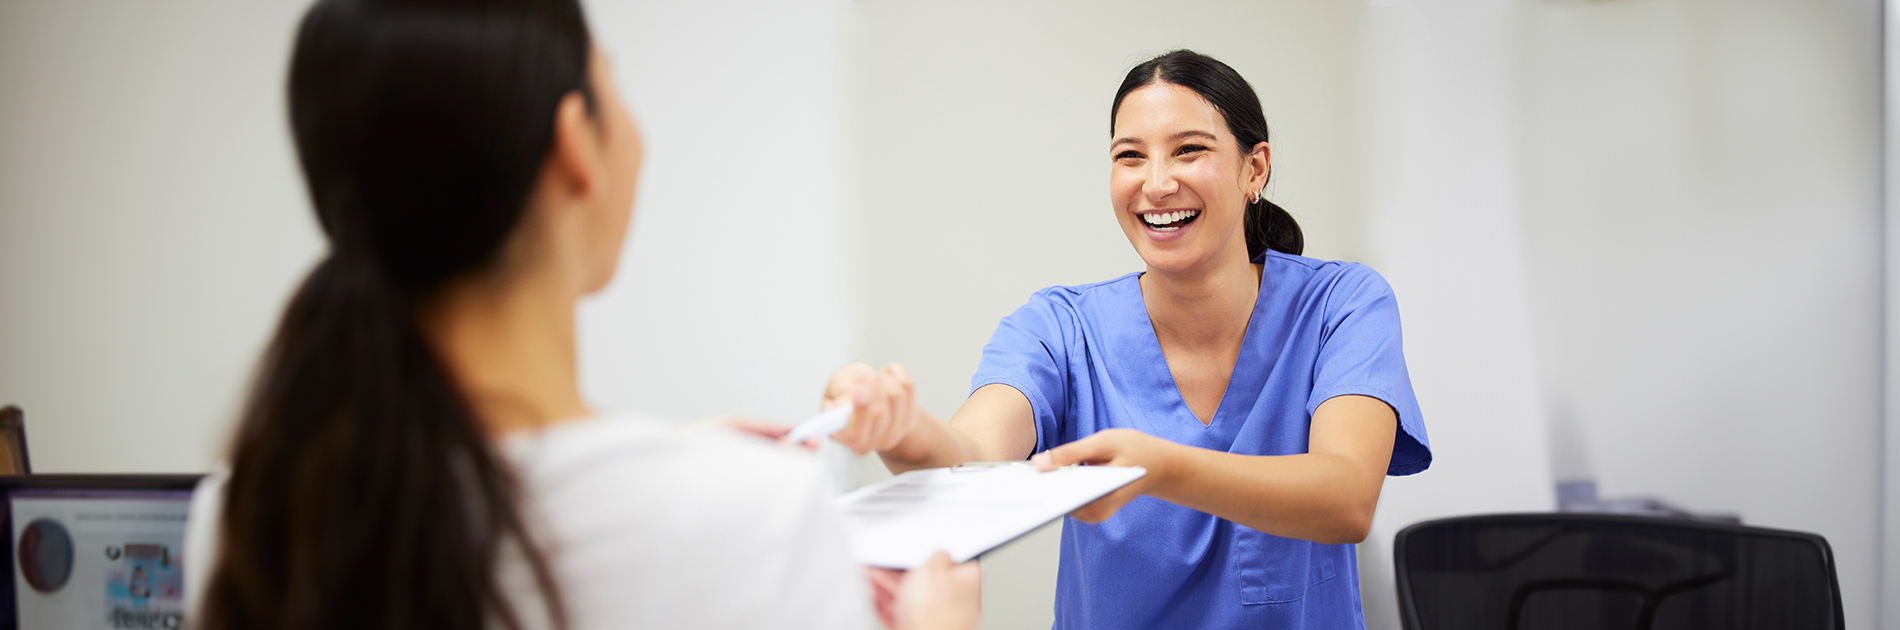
<point x="1160" y="182"/>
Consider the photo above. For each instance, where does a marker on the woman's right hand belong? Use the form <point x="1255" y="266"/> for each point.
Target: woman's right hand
<point x="940" y="595"/>
<point x="884" y="406"/>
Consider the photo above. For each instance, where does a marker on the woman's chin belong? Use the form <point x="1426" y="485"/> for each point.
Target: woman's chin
<point x="1182" y="249"/>
<point x="1150" y="242"/>
<point x="1188" y="257"/>
<point x="1169" y="259"/>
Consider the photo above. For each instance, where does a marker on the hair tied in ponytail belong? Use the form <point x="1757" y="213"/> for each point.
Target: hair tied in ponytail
<point x="363" y="491"/>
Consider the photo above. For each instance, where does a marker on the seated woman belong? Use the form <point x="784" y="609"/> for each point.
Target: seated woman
<point x="416" y="452"/>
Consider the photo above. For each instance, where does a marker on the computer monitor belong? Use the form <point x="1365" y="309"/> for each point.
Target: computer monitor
<point x="95" y="551"/>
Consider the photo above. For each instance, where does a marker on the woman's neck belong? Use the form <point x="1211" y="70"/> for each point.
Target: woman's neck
<point x="510" y="344"/>
<point x="1202" y="308"/>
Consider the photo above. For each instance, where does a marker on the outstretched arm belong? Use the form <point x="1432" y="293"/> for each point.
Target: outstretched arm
<point x="995" y="423"/>
<point x="1326" y="495"/>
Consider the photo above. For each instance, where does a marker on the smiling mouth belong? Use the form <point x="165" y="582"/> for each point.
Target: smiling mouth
<point x="1169" y="221"/>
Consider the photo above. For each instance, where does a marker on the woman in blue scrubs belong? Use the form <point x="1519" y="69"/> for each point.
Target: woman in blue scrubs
<point x="1266" y="393"/>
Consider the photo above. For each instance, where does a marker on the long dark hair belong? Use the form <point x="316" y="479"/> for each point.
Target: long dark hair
<point x="1268" y="225"/>
<point x="363" y="491"/>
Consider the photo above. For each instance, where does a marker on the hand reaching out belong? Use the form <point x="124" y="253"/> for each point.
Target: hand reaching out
<point x="884" y="405"/>
<point x="1114" y="447"/>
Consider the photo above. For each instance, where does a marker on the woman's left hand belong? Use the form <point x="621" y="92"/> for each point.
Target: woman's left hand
<point x="1115" y="447"/>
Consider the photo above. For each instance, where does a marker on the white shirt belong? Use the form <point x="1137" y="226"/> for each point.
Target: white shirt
<point x="650" y="526"/>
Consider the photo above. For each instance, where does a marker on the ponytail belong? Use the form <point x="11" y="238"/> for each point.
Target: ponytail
<point x="363" y="493"/>
<point x="1270" y="226"/>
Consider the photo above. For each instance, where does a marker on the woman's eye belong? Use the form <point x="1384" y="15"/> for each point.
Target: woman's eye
<point x="1189" y="148"/>
<point x="1128" y="155"/>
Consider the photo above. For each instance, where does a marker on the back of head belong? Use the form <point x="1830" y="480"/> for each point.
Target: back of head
<point x="1268" y="225"/>
<point x="422" y="124"/>
<point x="363" y="492"/>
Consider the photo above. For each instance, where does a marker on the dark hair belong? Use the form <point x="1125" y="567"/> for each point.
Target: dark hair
<point x="1268" y="225"/>
<point x="363" y="490"/>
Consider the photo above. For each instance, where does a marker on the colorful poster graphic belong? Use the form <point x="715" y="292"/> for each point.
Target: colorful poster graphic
<point x="144" y="588"/>
<point x="99" y="560"/>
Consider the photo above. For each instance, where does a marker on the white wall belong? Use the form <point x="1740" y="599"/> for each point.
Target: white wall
<point x="1703" y="219"/>
<point x="1444" y="179"/>
<point x="734" y="293"/>
<point x="1889" y="593"/>
<point x="152" y="220"/>
<point x="1674" y="259"/>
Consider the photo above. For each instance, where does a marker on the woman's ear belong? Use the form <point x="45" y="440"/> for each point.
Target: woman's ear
<point x="1259" y="167"/>
<point x="577" y="166"/>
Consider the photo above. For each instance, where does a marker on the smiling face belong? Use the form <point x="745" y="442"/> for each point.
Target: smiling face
<point x="1180" y="181"/>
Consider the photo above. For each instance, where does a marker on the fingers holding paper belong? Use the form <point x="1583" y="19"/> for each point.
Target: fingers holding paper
<point x="1114" y="447"/>
<point x="884" y="587"/>
<point x="940" y="595"/>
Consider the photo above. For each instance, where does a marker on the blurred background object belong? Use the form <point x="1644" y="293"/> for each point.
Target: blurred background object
<point x="1634" y="241"/>
<point x="1581" y="497"/>
<point x="13" y="456"/>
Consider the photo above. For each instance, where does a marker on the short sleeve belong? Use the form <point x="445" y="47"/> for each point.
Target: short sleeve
<point x="1361" y="354"/>
<point x="1029" y="352"/>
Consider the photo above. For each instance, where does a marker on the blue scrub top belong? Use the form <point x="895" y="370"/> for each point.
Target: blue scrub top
<point x="1087" y="359"/>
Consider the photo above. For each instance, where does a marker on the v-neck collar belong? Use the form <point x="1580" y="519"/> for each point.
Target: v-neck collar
<point x="1166" y="412"/>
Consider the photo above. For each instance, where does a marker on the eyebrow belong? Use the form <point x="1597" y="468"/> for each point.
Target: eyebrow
<point x="1191" y="133"/>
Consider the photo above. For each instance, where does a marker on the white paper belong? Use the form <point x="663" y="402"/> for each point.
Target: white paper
<point x="898" y="523"/>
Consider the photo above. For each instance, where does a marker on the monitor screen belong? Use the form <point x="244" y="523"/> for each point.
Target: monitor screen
<point x="97" y="557"/>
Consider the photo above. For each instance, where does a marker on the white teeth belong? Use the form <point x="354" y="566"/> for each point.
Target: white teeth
<point x="1158" y="219"/>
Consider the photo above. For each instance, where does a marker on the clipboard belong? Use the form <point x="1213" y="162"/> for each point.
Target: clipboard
<point x="967" y="510"/>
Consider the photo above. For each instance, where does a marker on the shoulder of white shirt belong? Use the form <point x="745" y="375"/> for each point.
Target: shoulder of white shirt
<point x="635" y="440"/>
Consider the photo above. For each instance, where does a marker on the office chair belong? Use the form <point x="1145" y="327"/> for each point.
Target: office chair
<point x="1580" y="571"/>
<point x="13" y="459"/>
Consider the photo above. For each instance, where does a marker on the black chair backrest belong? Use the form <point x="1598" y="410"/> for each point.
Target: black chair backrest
<point x="1586" y="571"/>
